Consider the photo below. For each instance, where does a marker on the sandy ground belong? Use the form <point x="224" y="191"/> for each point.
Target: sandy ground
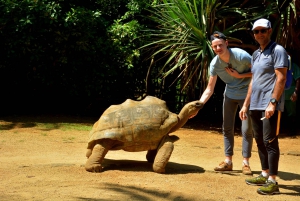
<point x="48" y="164"/>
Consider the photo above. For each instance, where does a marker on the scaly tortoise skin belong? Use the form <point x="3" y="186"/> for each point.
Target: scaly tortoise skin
<point x="137" y="126"/>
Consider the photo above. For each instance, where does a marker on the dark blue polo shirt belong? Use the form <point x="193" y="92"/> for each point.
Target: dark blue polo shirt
<point x="264" y="77"/>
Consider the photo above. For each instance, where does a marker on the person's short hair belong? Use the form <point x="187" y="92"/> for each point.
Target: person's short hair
<point x="262" y="23"/>
<point x="217" y="35"/>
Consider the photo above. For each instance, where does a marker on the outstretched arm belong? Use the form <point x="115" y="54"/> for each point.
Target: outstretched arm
<point x="209" y="89"/>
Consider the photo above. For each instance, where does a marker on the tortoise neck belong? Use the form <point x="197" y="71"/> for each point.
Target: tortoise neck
<point x="183" y="117"/>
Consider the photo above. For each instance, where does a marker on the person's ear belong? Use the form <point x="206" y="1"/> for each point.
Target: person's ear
<point x="270" y="30"/>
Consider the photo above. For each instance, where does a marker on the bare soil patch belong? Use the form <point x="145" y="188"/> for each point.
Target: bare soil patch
<point x="48" y="164"/>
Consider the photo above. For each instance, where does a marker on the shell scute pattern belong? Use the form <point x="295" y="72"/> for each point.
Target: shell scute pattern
<point x="135" y="123"/>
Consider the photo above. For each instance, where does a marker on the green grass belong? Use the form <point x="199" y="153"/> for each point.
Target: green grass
<point x="46" y="123"/>
<point x="64" y="126"/>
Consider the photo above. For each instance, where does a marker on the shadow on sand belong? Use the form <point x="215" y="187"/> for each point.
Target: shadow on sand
<point x="132" y="165"/>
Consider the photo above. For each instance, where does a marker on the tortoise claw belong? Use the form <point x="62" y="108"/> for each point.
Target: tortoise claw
<point x="94" y="168"/>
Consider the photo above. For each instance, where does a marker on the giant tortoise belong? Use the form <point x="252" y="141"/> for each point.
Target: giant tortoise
<point x="137" y="126"/>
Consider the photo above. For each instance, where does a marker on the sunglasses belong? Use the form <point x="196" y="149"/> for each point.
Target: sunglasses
<point x="260" y="30"/>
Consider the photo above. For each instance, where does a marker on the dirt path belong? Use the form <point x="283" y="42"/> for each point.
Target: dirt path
<point x="49" y="165"/>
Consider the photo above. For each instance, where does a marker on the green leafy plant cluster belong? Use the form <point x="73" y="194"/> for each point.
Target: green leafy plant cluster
<point x="68" y="53"/>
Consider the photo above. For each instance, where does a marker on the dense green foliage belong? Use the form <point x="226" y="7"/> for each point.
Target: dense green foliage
<point x="59" y="54"/>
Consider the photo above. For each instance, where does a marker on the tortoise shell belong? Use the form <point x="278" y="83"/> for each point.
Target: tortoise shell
<point x="136" y="125"/>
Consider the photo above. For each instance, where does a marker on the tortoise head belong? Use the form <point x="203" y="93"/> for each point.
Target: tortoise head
<point x="190" y="109"/>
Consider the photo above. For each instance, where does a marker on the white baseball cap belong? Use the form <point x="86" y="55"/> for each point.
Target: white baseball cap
<point x="262" y="23"/>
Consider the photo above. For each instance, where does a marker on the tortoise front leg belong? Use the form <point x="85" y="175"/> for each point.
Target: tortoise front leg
<point x="163" y="155"/>
<point x="95" y="159"/>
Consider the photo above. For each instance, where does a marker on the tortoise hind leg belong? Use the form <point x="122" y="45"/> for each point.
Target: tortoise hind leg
<point x="151" y="155"/>
<point x="93" y="164"/>
<point x="163" y="155"/>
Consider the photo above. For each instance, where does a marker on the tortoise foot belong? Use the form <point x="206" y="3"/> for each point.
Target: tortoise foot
<point x="159" y="170"/>
<point x="93" y="168"/>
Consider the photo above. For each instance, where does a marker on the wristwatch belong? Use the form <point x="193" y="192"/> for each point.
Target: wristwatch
<point x="273" y="101"/>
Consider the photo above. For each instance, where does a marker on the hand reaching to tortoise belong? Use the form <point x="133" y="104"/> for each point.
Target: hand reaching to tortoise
<point x="200" y="107"/>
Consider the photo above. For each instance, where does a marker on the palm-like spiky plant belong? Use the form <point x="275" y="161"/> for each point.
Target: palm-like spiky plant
<point x="285" y="29"/>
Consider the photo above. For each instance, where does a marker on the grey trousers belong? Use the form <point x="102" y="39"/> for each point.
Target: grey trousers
<point x="230" y="107"/>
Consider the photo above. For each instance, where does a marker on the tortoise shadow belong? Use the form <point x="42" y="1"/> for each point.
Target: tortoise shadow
<point x="144" y="166"/>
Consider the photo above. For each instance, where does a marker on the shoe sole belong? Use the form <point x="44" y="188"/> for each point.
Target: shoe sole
<point x="252" y="184"/>
<point x="273" y="193"/>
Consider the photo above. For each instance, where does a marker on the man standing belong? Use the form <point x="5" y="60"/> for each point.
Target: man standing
<point x="265" y="96"/>
<point x="233" y="66"/>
